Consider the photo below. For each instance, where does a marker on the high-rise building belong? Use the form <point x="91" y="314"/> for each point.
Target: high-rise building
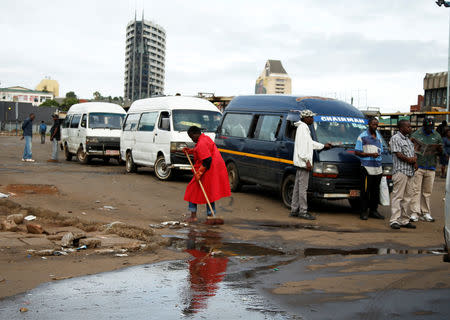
<point x="144" y="59"/>
<point x="273" y="80"/>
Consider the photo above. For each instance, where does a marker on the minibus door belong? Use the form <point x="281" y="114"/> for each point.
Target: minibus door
<point x="163" y="136"/>
<point x="81" y="133"/>
<point x="264" y="145"/>
<point x="144" y="151"/>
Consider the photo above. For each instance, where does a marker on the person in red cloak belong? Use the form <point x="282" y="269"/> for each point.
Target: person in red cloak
<point x="210" y="169"/>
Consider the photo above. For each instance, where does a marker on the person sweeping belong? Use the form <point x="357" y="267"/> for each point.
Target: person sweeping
<point x="210" y="182"/>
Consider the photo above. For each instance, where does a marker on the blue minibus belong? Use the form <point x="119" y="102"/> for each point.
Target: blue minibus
<point x="256" y="140"/>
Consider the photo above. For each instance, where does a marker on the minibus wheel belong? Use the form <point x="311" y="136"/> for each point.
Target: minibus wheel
<point x="233" y="177"/>
<point x="162" y="170"/>
<point x="287" y="188"/>
<point x="67" y="154"/>
<point x="82" y="156"/>
<point x="130" y="166"/>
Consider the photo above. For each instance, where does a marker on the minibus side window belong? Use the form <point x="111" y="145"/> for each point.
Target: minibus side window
<point x="131" y="122"/>
<point x="67" y="121"/>
<point x="148" y="121"/>
<point x="236" y="125"/>
<point x="164" y="115"/>
<point x="291" y="130"/>
<point x="75" y="121"/>
<point x="268" y="127"/>
<point x="83" y="121"/>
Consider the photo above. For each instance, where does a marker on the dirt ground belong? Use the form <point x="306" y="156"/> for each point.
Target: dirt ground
<point x="91" y="197"/>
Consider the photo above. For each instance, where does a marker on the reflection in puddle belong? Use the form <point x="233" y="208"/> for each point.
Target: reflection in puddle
<point x="378" y="251"/>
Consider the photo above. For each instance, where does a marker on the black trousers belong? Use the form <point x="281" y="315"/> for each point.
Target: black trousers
<point x="370" y="191"/>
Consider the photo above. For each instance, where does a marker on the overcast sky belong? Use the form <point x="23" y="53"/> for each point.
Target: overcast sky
<point x="376" y="51"/>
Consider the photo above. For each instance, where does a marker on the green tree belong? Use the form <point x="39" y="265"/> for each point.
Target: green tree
<point x="68" y="102"/>
<point x="71" y="94"/>
<point x="49" y="103"/>
<point x="97" y="96"/>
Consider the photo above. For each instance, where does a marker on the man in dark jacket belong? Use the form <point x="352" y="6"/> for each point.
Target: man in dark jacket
<point x="27" y="128"/>
<point x="55" y="136"/>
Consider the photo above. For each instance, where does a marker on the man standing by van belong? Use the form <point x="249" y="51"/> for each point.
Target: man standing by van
<point x="27" y="128"/>
<point x="404" y="159"/>
<point x="369" y="149"/>
<point x="429" y="143"/>
<point x="303" y="159"/>
<point x="55" y="136"/>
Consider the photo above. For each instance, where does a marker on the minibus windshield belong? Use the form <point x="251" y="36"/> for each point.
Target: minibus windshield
<point x="208" y="121"/>
<point x="105" y="120"/>
<point x="338" y="133"/>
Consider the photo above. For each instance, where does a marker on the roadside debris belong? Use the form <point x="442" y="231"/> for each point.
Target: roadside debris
<point x="121" y="255"/>
<point x="170" y="224"/>
<point x="3" y="195"/>
<point x="30" y="218"/>
<point x="34" y="228"/>
<point x="17" y="218"/>
<point x="108" y="208"/>
<point x="23" y="309"/>
<point x="9" y="225"/>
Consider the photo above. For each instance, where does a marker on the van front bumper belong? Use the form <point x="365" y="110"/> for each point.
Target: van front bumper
<point x="337" y="188"/>
<point x="104" y="147"/>
<point x="179" y="161"/>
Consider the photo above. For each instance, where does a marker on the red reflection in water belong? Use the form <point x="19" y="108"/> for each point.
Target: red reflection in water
<point x="205" y="272"/>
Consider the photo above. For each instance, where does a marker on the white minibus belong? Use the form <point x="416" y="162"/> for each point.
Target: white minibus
<point x="92" y="130"/>
<point x="155" y="132"/>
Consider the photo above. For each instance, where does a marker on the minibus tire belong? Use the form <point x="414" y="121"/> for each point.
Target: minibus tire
<point x="233" y="177"/>
<point x="130" y="166"/>
<point x="67" y="154"/>
<point x="287" y="189"/>
<point x="355" y="203"/>
<point x="158" y="167"/>
<point x="82" y="156"/>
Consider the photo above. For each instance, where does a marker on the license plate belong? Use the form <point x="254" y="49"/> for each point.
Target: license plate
<point x="112" y="152"/>
<point x="354" y="193"/>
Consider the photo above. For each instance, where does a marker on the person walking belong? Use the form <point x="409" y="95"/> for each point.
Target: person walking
<point x="210" y="169"/>
<point x="27" y="128"/>
<point x="404" y="159"/>
<point x="303" y="159"/>
<point x="430" y="143"/>
<point x="443" y="158"/>
<point x="55" y="136"/>
<point x="442" y="128"/>
<point x="369" y="148"/>
<point x="42" y="131"/>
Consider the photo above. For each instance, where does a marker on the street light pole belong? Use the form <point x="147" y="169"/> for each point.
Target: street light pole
<point x="447" y="5"/>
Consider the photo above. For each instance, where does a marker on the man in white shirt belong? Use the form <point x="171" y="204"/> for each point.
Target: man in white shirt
<point x="303" y="159"/>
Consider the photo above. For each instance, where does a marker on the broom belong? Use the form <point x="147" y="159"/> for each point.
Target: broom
<point x="209" y="220"/>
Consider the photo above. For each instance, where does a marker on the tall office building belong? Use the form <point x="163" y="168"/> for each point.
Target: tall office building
<point x="273" y="79"/>
<point x="144" y="59"/>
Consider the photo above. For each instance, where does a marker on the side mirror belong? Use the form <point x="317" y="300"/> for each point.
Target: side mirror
<point x="165" y="124"/>
<point x="83" y="124"/>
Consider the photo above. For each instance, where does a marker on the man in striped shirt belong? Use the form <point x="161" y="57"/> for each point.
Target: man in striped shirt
<point x="369" y="149"/>
<point x="404" y="159"/>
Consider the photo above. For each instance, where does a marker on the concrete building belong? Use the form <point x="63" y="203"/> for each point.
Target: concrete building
<point x="21" y="94"/>
<point x="144" y="59"/>
<point x="435" y="88"/>
<point x="273" y="80"/>
<point x="48" y="85"/>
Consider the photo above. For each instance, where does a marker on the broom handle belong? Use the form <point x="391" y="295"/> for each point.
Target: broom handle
<point x="201" y="185"/>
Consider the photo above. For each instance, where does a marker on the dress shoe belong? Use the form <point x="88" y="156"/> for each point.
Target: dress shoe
<point x="395" y="226"/>
<point x="293" y="214"/>
<point x="306" y="216"/>
<point x="408" y="226"/>
<point x="376" y="215"/>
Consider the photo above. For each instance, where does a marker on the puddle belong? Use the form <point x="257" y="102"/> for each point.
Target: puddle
<point x="32" y="188"/>
<point x="212" y="241"/>
<point x="272" y="226"/>
<point x="309" y="252"/>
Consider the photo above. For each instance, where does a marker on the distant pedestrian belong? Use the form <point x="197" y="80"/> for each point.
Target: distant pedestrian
<point x="443" y="159"/>
<point x="303" y="161"/>
<point x="430" y="144"/>
<point x="55" y="136"/>
<point x="404" y="159"/>
<point x="42" y="131"/>
<point x="27" y="128"/>
<point x="442" y="128"/>
<point x="369" y="148"/>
